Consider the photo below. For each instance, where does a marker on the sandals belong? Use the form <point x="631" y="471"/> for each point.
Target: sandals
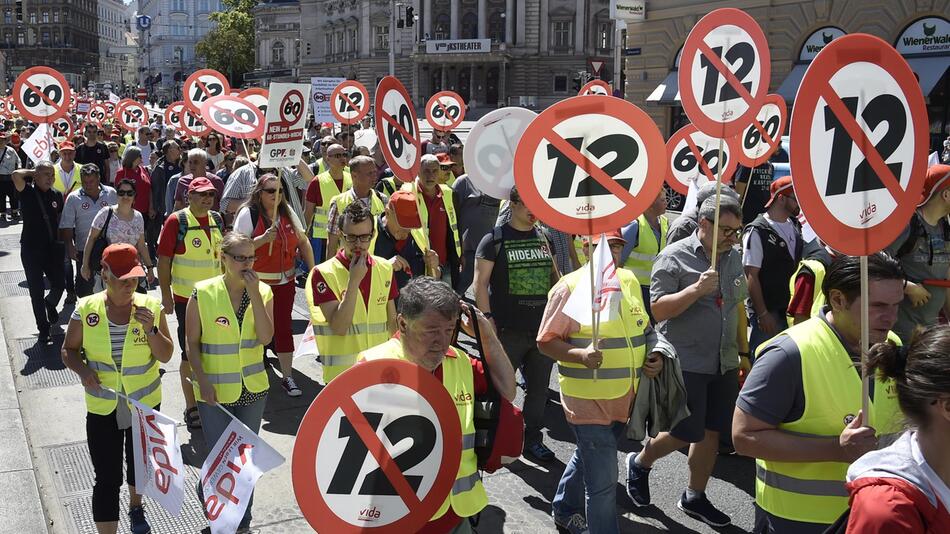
<point x="192" y="419"/>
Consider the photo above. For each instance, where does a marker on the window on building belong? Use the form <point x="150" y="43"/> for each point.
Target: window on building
<point x="178" y="5"/>
<point x="354" y="41"/>
<point x="55" y="15"/>
<point x="340" y="45"/>
<point x="8" y="16"/>
<point x="277" y="53"/>
<point x="560" y="83"/>
<point x="45" y="16"/>
<point x="605" y="35"/>
<point x="32" y="17"/>
<point x="470" y="26"/>
<point x="561" y="33"/>
<point x="328" y="44"/>
<point x="442" y="24"/>
<point x="20" y="38"/>
<point x="496" y="27"/>
<point x="203" y="6"/>
<point x="382" y="37"/>
<point x="45" y="38"/>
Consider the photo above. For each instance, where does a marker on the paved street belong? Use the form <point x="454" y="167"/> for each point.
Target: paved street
<point x="46" y="476"/>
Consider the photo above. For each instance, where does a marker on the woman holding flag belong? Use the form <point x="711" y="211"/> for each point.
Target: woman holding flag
<point x="229" y="320"/>
<point x="122" y="335"/>
<point x="278" y="236"/>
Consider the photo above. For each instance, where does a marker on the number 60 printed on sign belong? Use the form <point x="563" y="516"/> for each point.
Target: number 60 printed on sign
<point x="397" y="129"/>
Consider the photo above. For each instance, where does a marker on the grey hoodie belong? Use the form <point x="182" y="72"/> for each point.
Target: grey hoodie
<point x="895" y="461"/>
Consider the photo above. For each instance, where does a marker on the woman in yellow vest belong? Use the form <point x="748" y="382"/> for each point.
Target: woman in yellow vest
<point x="229" y="320"/>
<point x="428" y="313"/>
<point x="114" y="342"/>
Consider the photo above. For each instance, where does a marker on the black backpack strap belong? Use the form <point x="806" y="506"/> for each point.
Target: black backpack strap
<point x="496" y="237"/>
<point x="916" y="228"/>
<point x="182" y="227"/>
<point x="255" y="216"/>
<point x="218" y="220"/>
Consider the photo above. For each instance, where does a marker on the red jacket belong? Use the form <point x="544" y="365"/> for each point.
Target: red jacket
<point x="893" y="505"/>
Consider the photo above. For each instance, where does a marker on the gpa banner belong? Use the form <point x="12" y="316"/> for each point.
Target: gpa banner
<point x="284" y="125"/>
<point x="322" y="89"/>
<point x="39" y="145"/>
<point x="159" y="470"/>
<point x="230" y="472"/>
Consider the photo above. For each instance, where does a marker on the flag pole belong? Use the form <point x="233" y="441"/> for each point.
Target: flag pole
<point x="715" y="236"/>
<point x="865" y="342"/>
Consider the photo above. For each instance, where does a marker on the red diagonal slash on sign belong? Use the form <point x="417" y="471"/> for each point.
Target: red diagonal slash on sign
<point x="589" y="167"/>
<point x="375" y="447"/>
<point x="350" y="102"/>
<point x="726" y="73"/>
<point x="233" y="115"/>
<point x="411" y="138"/>
<point x="701" y="161"/>
<point x="865" y="145"/>
<point x="43" y="96"/>
<point x="445" y="111"/>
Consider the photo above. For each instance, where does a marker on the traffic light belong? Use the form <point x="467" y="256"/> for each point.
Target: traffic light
<point x="577" y="82"/>
<point x="410" y="16"/>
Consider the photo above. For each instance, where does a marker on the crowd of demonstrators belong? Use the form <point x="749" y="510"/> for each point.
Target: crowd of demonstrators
<point x="385" y="264"/>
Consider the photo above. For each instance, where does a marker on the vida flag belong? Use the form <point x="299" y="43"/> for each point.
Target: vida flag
<point x="603" y="297"/>
<point x="159" y="470"/>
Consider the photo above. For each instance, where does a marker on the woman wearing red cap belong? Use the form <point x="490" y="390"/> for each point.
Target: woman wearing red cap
<point x="114" y="342"/>
<point x="277" y="243"/>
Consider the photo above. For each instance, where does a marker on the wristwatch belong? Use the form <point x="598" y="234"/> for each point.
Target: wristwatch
<point x="153" y="331"/>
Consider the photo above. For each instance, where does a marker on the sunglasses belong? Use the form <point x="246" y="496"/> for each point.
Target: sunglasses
<point x="729" y="232"/>
<point x="241" y="259"/>
<point x="271" y="191"/>
<point x="125" y="193"/>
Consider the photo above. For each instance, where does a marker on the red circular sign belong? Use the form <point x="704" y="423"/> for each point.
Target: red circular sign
<point x="291" y="107"/>
<point x="62" y="127"/>
<point x="758" y="141"/>
<point x="595" y="87"/>
<point x="445" y="110"/>
<point x="233" y="116"/>
<point x="97" y="114"/>
<point x="132" y="115"/>
<point x="349" y="102"/>
<point x="258" y="97"/>
<point x="3" y="107"/>
<point x="590" y="165"/>
<point x="398" y="129"/>
<point x="326" y="474"/>
<point x="857" y="193"/>
<point x="173" y="114"/>
<point x="724" y="40"/>
<point x="191" y="123"/>
<point x="41" y="94"/>
<point x="202" y="85"/>
<point x="693" y="154"/>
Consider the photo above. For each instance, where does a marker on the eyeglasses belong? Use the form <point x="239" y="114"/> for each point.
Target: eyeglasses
<point x="125" y="193"/>
<point x="271" y="191"/>
<point x="241" y="259"/>
<point x="362" y="238"/>
<point x="325" y="144"/>
<point x="203" y="194"/>
<point x="729" y="232"/>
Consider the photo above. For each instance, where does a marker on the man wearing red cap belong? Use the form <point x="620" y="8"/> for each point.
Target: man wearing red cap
<point x="396" y="242"/>
<point x="66" y="173"/>
<point x="772" y="249"/>
<point x="923" y="250"/>
<point x="9" y="162"/>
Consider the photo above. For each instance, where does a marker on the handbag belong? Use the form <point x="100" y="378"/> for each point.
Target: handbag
<point x="99" y="246"/>
<point x="499" y="424"/>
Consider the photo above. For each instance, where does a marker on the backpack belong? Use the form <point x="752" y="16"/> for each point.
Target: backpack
<point x="183" y="225"/>
<point x="916" y="232"/>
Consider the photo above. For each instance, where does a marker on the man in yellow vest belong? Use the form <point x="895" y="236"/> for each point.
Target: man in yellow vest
<point x="799" y="412"/>
<point x="351" y="295"/>
<point x="805" y="284"/>
<point x="598" y="385"/>
<point x="188" y="252"/>
<point x="428" y="313"/>
<point x="66" y="172"/>
<point x="646" y="237"/>
<point x="324" y="186"/>
<point x="363" y="174"/>
<point x="437" y="210"/>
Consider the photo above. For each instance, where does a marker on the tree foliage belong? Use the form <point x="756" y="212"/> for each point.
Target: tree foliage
<point x="229" y="47"/>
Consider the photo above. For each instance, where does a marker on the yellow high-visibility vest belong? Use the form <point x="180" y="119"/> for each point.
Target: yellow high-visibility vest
<point x="202" y="257"/>
<point x="641" y="258"/>
<point x="424" y="217"/>
<point x="818" y="297"/>
<point x="328" y="190"/>
<point x="376" y="207"/>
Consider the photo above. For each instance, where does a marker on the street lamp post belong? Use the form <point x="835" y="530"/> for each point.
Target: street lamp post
<point x="392" y="38"/>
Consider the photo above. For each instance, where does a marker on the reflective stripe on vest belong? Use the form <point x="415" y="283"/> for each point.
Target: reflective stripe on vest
<point x="640" y="261"/>
<point x="468" y="495"/>
<point x="198" y="262"/>
<point x="328" y="190"/>
<point x="814" y="492"/>
<point x="818" y="297"/>
<point x="623" y="344"/>
<point x="230" y="356"/>
<point x="59" y="182"/>
<point x="369" y="326"/>
<point x="138" y="376"/>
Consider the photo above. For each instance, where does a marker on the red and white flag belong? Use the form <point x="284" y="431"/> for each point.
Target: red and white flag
<point x="230" y="472"/>
<point x="603" y="297"/>
<point x="159" y="470"/>
<point x="307" y="345"/>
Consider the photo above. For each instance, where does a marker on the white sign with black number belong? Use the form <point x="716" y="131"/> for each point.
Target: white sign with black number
<point x="397" y="129"/>
<point x="761" y="138"/>
<point x="285" y="123"/>
<point x="445" y="110"/>
<point x="696" y="156"/>
<point x="350" y="102"/>
<point x="489" y="152"/>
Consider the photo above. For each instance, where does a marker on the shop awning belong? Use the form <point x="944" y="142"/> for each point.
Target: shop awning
<point x="929" y="70"/>
<point x="668" y="92"/>
<point x="790" y="86"/>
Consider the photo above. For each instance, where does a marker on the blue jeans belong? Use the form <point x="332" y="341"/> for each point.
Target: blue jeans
<point x="317" y="245"/>
<point x="213" y="424"/>
<point x="757" y="336"/>
<point x="593" y="468"/>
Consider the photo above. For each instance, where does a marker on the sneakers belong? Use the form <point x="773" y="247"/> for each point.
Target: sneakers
<point x="575" y="524"/>
<point x="137" y="522"/>
<point x="638" y="482"/>
<point x="539" y="452"/>
<point x="700" y="508"/>
<point x="290" y="387"/>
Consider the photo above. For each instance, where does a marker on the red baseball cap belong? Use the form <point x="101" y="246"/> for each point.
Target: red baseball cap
<point x="938" y="179"/>
<point x="782" y="186"/>
<point x="15" y="139"/>
<point x="444" y="159"/>
<point x="404" y="206"/>
<point x="613" y="235"/>
<point x="122" y="260"/>
<point x="200" y="184"/>
<point x="67" y="145"/>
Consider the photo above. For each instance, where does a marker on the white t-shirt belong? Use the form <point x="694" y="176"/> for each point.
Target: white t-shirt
<point x="936" y="483"/>
<point x="244" y="225"/>
<point x="752" y="253"/>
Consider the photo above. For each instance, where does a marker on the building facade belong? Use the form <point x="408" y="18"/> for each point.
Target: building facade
<point x="491" y="52"/>
<point x="63" y="34"/>
<point x="168" y="45"/>
<point x="113" y="54"/>
<point x="276" y="42"/>
<point x="796" y="31"/>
